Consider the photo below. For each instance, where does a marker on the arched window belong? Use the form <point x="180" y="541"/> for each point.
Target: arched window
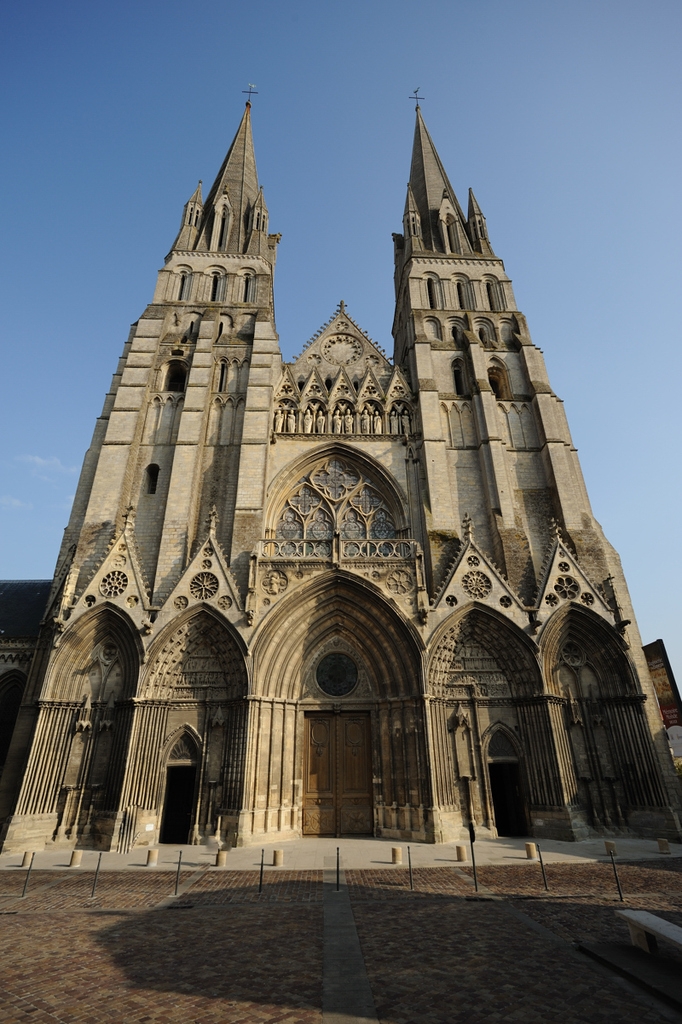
<point x="490" y="291"/>
<point x="185" y="286"/>
<point x="432" y="328"/>
<point x="499" y="382"/>
<point x="10" y="700"/>
<point x="432" y="293"/>
<point x="217" y="288"/>
<point x="176" y="377"/>
<point x="151" y="479"/>
<point x="223" y="230"/>
<point x="458" y="378"/>
<point x="249" y="293"/>
<point x="222" y="380"/>
<point x="461" y="296"/>
<point x="452" y="237"/>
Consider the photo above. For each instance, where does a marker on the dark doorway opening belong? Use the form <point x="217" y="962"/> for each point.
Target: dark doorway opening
<point x="505" y="785"/>
<point x="179" y="804"/>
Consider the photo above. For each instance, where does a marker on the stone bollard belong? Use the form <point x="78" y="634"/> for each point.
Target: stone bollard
<point x="76" y="857"/>
<point x="397" y="855"/>
<point x="663" y="846"/>
<point x="610" y="847"/>
<point x="531" y="851"/>
<point x="152" y="858"/>
<point x="221" y="858"/>
<point x="461" y="853"/>
<point x="27" y="859"/>
<point x="277" y="858"/>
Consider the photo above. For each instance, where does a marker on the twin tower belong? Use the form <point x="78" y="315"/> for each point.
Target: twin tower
<point x="346" y="595"/>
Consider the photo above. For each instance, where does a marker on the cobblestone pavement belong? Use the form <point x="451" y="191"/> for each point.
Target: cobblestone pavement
<point x="224" y="955"/>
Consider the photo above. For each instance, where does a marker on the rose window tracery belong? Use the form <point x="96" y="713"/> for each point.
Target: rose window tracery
<point x="476" y="584"/>
<point x="113" y="584"/>
<point x="335" y="498"/>
<point x="566" y="587"/>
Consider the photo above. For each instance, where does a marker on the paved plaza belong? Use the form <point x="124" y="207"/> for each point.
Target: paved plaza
<point x="300" y="952"/>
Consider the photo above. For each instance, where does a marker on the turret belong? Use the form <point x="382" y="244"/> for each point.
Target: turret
<point x="191" y="218"/>
<point x="476" y="228"/>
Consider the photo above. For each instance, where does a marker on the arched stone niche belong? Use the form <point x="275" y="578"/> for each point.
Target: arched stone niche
<point x="99" y="659"/>
<point x="584" y="657"/>
<point x="197" y="657"/>
<point x="479" y="648"/>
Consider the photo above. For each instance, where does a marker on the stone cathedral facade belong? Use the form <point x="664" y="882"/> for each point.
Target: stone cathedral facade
<point x="347" y="595"/>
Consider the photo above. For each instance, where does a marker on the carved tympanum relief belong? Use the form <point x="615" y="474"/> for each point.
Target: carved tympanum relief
<point x="199" y="661"/>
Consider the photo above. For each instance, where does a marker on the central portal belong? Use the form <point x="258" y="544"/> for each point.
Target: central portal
<point x="337" y="792"/>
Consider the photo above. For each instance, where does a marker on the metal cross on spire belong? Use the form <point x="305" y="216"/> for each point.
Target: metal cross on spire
<point x="416" y="97"/>
<point x="252" y="91"/>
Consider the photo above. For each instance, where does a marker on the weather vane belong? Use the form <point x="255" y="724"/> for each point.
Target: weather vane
<point x="252" y="91"/>
<point x="416" y="97"/>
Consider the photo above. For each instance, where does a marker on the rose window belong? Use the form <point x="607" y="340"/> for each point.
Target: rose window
<point x="400" y="581"/>
<point x="204" y="586"/>
<point x="477" y="584"/>
<point x="113" y="584"/>
<point x="566" y="587"/>
<point x="572" y="654"/>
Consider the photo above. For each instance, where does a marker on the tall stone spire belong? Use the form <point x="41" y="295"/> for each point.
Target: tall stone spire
<point x="227" y="211"/>
<point x="434" y="196"/>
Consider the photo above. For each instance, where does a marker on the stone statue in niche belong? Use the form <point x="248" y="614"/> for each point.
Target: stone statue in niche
<point x="291" y="421"/>
<point x="308" y="421"/>
<point x="364" y="421"/>
<point x="348" y="422"/>
<point x="395" y="427"/>
<point x="279" y="421"/>
<point x="378" y="426"/>
<point x="405" y="421"/>
<point x="320" y="422"/>
<point x="337" y="422"/>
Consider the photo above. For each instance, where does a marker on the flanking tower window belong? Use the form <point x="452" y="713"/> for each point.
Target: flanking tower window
<point x="458" y="378"/>
<point x="151" y="478"/>
<point x="176" y="377"/>
<point x="431" y="292"/>
<point x="249" y="288"/>
<point x="185" y="286"/>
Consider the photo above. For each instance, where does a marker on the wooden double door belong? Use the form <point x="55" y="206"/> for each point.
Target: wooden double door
<point x="337" y="788"/>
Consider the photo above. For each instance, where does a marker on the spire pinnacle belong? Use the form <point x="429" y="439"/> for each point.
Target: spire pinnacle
<point x="228" y="205"/>
<point x="430" y="185"/>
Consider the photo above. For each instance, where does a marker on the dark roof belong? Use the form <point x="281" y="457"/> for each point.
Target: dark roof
<point x="22" y="605"/>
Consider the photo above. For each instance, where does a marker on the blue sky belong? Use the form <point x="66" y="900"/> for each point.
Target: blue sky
<point x="564" y="118"/>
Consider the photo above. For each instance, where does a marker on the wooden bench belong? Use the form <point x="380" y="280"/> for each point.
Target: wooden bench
<point x="646" y="928"/>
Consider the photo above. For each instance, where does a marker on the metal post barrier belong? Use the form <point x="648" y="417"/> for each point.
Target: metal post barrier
<point x="409" y="861"/>
<point x="615" y="871"/>
<point x="542" y="865"/>
<point x="260" y="880"/>
<point x="338" y="869"/>
<point x="472" y="840"/>
<point x="94" y="881"/>
<point x="28" y="875"/>
<point x="177" y="873"/>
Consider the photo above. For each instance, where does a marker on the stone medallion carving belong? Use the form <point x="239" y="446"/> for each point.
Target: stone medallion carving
<point x="225" y="602"/>
<point x="181" y="603"/>
<point x="566" y="587"/>
<point x="400" y="581"/>
<point x="113" y="584"/>
<point x="204" y="586"/>
<point x="477" y="584"/>
<point x="275" y="582"/>
<point x="342" y="349"/>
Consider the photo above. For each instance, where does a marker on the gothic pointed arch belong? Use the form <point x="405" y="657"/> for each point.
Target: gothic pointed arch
<point x="337" y="484"/>
<point x="198" y="656"/>
<point x="499" y="743"/>
<point x="99" y="656"/>
<point x="337" y="611"/>
<point x="578" y="644"/>
<point x="480" y="647"/>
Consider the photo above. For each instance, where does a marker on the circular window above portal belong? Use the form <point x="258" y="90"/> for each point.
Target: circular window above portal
<point x="336" y="674"/>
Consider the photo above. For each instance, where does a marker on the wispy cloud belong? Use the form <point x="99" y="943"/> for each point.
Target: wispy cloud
<point x="7" y="501"/>
<point x="52" y="463"/>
